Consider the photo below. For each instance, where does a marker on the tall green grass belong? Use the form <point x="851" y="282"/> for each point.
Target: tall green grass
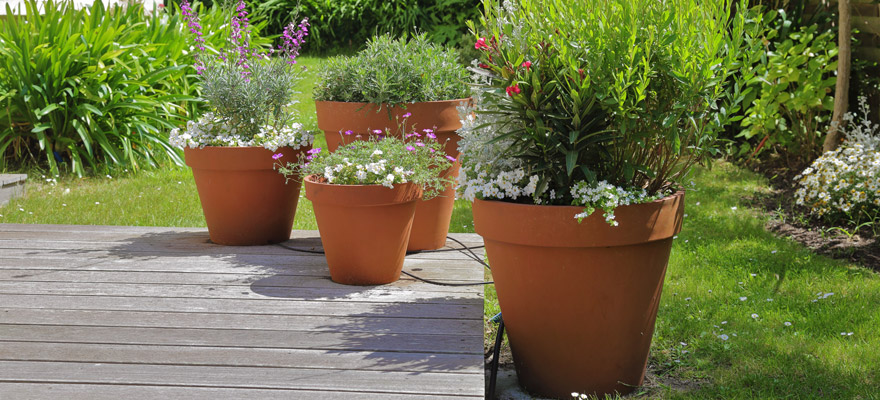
<point x="82" y="89"/>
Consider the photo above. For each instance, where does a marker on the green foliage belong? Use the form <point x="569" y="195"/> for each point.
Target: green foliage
<point x="621" y="91"/>
<point x="339" y="24"/>
<point x="394" y="71"/>
<point x="82" y="88"/>
<point x="790" y="91"/>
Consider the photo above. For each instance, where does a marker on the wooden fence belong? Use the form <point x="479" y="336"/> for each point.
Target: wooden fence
<point x="865" y="19"/>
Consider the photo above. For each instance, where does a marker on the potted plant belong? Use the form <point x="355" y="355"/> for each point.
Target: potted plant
<point x="397" y="85"/>
<point x="587" y="116"/>
<point x="364" y="196"/>
<point x="229" y="148"/>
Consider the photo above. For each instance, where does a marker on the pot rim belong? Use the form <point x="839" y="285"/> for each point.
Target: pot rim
<point x="463" y="99"/>
<point x="555" y="226"/>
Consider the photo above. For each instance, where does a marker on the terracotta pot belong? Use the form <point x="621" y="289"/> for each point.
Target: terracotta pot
<point x="579" y="300"/>
<point x="245" y="200"/>
<point x="364" y="229"/>
<point x="432" y="217"/>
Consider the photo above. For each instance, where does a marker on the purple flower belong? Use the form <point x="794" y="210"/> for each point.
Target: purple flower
<point x="420" y="144"/>
<point x="410" y="148"/>
<point x="377" y="131"/>
<point x="432" y="150"/>
<point x="407" y="115"/>
<point x="192" y="22"/>
<point x="348" y="132"/>
<point x="277" y="156"/>
<point x="316" y="150"/>
<point x="450" y="158"/>
<point x="426" y="130"/>
<point x="431" y="135"/>
<point x="293" y="38"/>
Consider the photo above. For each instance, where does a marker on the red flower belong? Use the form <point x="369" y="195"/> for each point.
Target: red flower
<point x="481" y="44"/>
<point x="511" y="90"/>
<point x="527" y="65"/>
<point x="483" y="66"/>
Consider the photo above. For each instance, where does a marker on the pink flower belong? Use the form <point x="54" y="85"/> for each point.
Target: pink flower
<point x="316" y="150"/>
<point x="431" y="135"/>
<point x="527" y="65"/>
<point x="277" y="156"/>
<point x="420" y="144"/>
<point x="481" y="44"/>
<point x="377" y="131"/>
<point x="348" y="132"/>
<point x="407" y="115"/>
<point x="511" y="90"/>
<point x="450" y="158"/>
<point x="410" y="148"/>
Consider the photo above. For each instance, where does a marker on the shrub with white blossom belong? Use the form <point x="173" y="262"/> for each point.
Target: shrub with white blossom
<point x="845" y="183"/>
<point x="213" y="130"/>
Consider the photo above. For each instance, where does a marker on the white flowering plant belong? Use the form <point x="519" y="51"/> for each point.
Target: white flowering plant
<point x="844" y="184"/>
<point x="595" y="103"/>
<point x="381" y="160"/>
<point x="250" y="90"/>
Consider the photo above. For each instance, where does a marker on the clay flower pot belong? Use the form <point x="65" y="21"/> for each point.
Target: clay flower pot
<point x="245" y="201"/>
<point x="364" y="228"/>
<point x="432" y="216"/>
<point x="579" y="300"/>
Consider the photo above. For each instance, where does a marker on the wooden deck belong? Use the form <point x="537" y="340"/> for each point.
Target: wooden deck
<point x="105" y="312"/>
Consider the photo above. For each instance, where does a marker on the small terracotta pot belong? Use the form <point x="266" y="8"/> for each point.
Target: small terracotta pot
<point x="579" y="300"/>
<point x="432" y="217"/>
<point x="364" y="228"/>
<point x="245" y="200"/>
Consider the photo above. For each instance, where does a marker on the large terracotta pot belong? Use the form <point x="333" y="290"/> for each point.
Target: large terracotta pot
<point x="579" y="300"/>
<point x="432" y="217"/>
<point x="364" y="229"/>
<point x="245" y="200"/>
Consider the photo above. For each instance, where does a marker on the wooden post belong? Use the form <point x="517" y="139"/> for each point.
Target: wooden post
<point x="844" y="63"/>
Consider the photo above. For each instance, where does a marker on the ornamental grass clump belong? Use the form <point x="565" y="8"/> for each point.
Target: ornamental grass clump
<point x="381" y="160"/>
<point x="394" y="71"/>
<point x="250" y="90"/>
<point x="595" y="103"/>
<point x="844" y="184"/>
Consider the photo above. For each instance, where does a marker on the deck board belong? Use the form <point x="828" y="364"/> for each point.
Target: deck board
<point x="108" y="311"/>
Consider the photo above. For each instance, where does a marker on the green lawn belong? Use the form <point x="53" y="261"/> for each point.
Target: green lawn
<point x="744" y="314"/>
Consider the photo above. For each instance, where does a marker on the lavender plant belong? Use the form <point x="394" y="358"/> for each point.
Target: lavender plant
<point x="250" y="89"/>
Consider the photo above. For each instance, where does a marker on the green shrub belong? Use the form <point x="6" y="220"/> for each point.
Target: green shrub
<point x="83" y="89"/>
<point x="790" y="92"/>
<point x="394" y="71"/>
<point x="340" y="24"/>
<point x="623" y="92"/>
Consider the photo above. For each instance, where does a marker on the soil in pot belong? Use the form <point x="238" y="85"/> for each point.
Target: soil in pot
<point x="579" y="301"/>
<point x="364" y="229"/>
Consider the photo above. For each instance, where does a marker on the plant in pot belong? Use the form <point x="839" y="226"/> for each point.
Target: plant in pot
<point x="364" y="196"/>
<point x="250" y="93"/>
<point x="397" y="85"/>
<point x="586" y="116"/>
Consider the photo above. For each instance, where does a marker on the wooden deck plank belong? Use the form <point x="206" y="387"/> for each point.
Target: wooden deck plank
<point x="105" y="312"/>
<point x="472" y="311"/>
<point x="243" y="377"/>
<point x="114" y="274"/>
<point x="322" y="340"/>
<point x="42" y="391"/>
<point x="376" y="323"/>
<point x="238" y="356"/>
<point x="382" y="294"/>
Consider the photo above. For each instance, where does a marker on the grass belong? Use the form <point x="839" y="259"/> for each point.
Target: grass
<point x="727" y="276"/>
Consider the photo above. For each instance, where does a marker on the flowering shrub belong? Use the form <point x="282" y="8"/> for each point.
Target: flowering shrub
<point x="382" y="160"/>
<point x="213" y="130"/>
<point x="249" y="90"/>
<point x="595" y="96"/>
<point x="845" y="183"/>
<point x="394" y="71"/>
